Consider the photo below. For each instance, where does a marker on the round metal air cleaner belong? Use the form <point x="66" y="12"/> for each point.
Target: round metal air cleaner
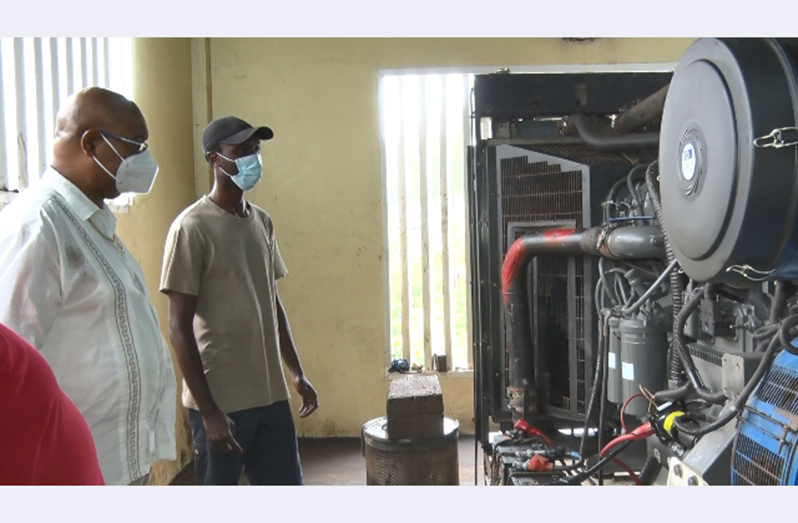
<point x="729" y="188"/>
<point x="418" y="461"/>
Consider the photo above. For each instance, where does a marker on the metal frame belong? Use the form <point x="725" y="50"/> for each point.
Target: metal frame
<point x="486" y="251"/>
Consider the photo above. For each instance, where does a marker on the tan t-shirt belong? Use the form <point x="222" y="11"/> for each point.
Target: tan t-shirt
<point x="231" y="264"/>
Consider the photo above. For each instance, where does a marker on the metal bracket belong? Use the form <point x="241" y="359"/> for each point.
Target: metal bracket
<point x="776" y="138"/>
<point x="680" y="474"/>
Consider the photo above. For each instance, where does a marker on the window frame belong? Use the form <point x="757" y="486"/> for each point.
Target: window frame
<point x="466" y="70"/>
<point x="41" y="74"/>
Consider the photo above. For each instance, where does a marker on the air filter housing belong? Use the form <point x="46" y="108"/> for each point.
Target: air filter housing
<point x="729" y="188"/>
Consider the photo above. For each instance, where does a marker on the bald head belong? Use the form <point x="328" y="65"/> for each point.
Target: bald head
<point x="96" y="108"/>
<point x="83" y="125"/>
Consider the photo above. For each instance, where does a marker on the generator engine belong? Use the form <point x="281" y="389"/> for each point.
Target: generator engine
<point x="635" y="244"/>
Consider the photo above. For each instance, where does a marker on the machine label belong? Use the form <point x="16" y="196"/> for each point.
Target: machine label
<point x="688" y="161"/>
<point x="628" y="371"/>
<point x="611" y="360"/>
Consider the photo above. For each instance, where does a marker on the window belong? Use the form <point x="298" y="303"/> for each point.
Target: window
<point x="425" y="128"/>
<point x="36" y="76"/>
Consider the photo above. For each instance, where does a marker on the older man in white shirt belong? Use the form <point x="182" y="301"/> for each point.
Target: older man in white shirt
<point x="70" y="287"/>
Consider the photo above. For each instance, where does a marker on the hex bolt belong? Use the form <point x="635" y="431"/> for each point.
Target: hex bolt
<point x="677" y="469"/>
<point x="692" y="481"/>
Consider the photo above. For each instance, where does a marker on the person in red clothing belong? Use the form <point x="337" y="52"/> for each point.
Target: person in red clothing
<point x="44" y="439"/>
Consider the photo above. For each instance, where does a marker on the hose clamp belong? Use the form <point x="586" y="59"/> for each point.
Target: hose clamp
<point x="601" y="243"/>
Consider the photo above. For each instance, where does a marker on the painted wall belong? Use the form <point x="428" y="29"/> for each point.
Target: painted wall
<point x="322" y="185"/>
<point x="162" y="89"/>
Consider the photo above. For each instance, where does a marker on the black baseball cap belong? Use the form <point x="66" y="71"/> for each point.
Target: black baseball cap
<point x="232" y="131"/>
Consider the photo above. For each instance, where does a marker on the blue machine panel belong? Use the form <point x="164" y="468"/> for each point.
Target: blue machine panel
<point x="765" y="448"/>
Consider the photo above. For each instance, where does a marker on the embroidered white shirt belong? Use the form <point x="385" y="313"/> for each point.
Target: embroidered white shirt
<point x="70" y="287"/>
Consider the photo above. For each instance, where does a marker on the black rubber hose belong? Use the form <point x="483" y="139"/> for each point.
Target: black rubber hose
<point x="687" y="358"/>
<point x="693" y="302"/>
<point x="651" y="470"/>
<point x="677" y="393"/>
<point x="694" y="383"/>
<point x="779" y="302"/>
<point x="635" y="172"/>
<point x="677" y="286"/>
<point x="786" y="332"/>
<point x="651" y="290"/>
<point x="739" y="403"/>
<point x="608" y="290"/>
<point x="598" y="377"/>
<point x="630" y="183"/>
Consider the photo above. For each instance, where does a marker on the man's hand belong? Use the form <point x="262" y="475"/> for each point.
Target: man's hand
<point x="220" y="430"/>
<point x="310" y="400"/>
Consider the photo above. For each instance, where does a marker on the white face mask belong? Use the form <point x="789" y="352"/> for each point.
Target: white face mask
<point x="136" y="173"/>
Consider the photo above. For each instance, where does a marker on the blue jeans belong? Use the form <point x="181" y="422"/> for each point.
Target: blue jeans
<point x="268" y="438"/>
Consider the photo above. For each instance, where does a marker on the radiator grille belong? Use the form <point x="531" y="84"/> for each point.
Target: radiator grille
<point x="581" y="363"/>
<point x="582" y="154"/>
<point x="780" y="389"/>
<point x="705" y="353"/>
<point x="754" y="464"/>
<point x="537" y="193"/>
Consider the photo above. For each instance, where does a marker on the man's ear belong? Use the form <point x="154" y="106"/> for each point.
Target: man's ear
<point x="212" y="158"/>
<point x="88" y="142"/>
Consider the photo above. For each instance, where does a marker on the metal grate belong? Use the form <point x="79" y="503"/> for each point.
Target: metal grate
<point x="780" y="389"/>
<point x="540" y="192"/>
<point x="708" y="354"/>
<point x="754" y="464"/>
<point x="582" y="154"/>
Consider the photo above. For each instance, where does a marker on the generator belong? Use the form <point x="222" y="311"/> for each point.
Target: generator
<point x="634" y="244"/>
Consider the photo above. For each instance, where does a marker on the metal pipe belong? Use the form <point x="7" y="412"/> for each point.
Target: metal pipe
<point x="611" y="143"/>
<point x="646" y="111"/>
<point x="621" y="242"/>
<point x="636" y="242"/>
<point x="516" y="305"/>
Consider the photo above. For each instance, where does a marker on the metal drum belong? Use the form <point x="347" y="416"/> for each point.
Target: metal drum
<point x="419" y="461"/>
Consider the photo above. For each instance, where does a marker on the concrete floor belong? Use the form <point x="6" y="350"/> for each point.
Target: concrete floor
<point x="339" y="461"/>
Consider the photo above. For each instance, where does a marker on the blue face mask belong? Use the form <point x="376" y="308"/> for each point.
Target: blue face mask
<point x="250" y="169"/>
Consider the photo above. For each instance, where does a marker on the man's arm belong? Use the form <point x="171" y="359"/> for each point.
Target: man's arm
<point x="219" y="427"/>
<point x="310" y="400"/>
<point x="30" y="279"/>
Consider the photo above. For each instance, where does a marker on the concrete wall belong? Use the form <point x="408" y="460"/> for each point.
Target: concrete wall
<point x="162" y="89"/>
<point x="322" y="185"/>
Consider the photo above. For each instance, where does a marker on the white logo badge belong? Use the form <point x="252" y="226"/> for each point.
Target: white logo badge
<point x="688" y="161"/>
